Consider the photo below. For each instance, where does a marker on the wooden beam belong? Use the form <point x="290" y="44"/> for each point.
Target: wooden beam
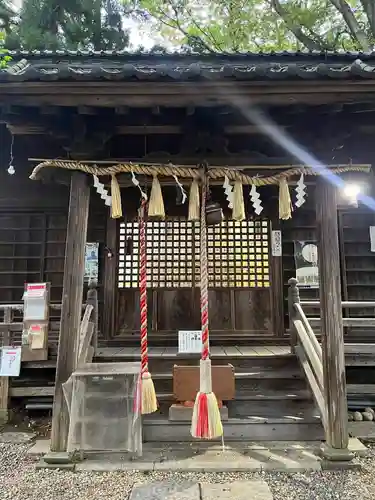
<point x="337" y="436"/>
<point x="71" y="304"/>
<point x="183" y="94"/>
<point x="40" y="129"/>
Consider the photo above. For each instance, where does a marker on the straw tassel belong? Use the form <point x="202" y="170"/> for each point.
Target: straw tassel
<point x="116" y="208"/>
<point x="206" y="421"/>
<point x="156" y="206"/>
<point x="194" y="202"/>
<point x="285" y="203"/>
<point x="238" y="212"/>
<point x="148" y="397"/>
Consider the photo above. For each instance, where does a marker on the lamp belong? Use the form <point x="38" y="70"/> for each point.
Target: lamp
<point x="351" y="192"/>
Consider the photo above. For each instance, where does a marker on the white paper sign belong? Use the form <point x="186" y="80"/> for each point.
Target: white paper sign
<point x="35" y="290"/>
<point x="10" y="361"/>
<point x="372" y="238"/>
<point x="35" y="302"/>
<point x="276" y="243"/>
<point x="190" y="342"/>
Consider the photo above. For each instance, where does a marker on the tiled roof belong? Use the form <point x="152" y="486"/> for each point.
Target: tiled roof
<point x="125" y="66"/>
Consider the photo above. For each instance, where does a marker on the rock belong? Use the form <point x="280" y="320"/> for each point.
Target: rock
<point x="358" y="416"/>
<point x="367" y="416"/>
<point x="370" y="410"/>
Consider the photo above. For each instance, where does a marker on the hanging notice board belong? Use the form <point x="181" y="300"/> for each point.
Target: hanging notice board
<point x="91" y="262"/>
<point x="306" y="260"/>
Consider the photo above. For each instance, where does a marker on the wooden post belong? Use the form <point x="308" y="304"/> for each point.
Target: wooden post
<point x="277" y="288"/>
<point x="71" y="309"/>
<point x="110" y="281"/>
<point x="337" y="437"/>
<point x="4" y="381"/>
<point x="92" y="299"/>
<point x="293" y="298"/>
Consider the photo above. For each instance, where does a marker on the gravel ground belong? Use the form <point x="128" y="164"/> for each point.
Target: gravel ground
<point x="20" y="481"/>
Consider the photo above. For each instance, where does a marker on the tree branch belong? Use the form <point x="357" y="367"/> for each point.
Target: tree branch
<point x="175" y="24"/>
<point x="307" y="41"/>
<point x="352" y="23"/>
<point x="369" y="8"/>
<point x="208" y="35"/>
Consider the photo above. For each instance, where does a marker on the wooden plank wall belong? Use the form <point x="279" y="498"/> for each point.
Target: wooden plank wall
<point x="33" y="221"/>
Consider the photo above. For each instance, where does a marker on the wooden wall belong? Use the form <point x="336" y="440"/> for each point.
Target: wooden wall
<point x="33" y="221"/>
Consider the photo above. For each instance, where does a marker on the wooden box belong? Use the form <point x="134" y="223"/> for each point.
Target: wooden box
<point x="186" y="382"/>
<point x="29" y="354"/>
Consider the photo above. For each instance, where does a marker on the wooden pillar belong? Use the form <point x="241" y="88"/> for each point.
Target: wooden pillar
<point x="110" y="281"/>
<point x="277" y="286"/>
<point x="331" y="321"/>
<point x="4" y="381"/>
<point x="71" y="310"/>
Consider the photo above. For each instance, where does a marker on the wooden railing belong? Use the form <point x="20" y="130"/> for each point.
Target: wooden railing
<point x="307" y="348"/>
<point x="304" y="342"/>
<point x="360" y="322"/>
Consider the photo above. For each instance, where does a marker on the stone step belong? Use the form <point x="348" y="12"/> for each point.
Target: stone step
<point x="235" y="429"/>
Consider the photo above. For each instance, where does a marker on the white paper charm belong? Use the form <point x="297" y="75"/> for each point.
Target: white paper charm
<point x="183" y="192"/>
<point x="301" y="192"/>
<point x="135" y="181"/>
<point x="101" y="190"/>
<point x="255" y="200"/>
<point x="228" y="189"/>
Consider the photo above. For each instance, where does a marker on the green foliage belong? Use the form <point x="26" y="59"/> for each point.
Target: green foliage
<point x="200" y="25"/>
<point x="4" y="56"/>
<point x="72" y="24"/>
<point x="253" y="25"/>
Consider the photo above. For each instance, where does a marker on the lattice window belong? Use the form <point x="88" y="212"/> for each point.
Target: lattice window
<point x="170" y="251"/>
<point x="238" y="254"/>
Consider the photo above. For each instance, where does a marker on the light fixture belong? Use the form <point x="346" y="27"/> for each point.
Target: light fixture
<point x="351" y="192"/>
<point x="11" y="170"/>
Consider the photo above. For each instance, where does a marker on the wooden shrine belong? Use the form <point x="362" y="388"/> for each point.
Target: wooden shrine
<point x="104" y="110"/>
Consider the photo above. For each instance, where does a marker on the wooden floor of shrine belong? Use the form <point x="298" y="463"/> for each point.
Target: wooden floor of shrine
<point x="355" y="353"/>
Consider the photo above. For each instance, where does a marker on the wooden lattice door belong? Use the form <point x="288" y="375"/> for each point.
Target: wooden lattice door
<point x="239" y="277"/>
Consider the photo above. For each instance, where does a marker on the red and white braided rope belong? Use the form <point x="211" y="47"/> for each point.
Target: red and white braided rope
<point x="143" y="287"/>
<point x="204" y="278"/>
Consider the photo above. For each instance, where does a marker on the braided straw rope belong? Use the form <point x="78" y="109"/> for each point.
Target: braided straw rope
<point x="188" y="172"/>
